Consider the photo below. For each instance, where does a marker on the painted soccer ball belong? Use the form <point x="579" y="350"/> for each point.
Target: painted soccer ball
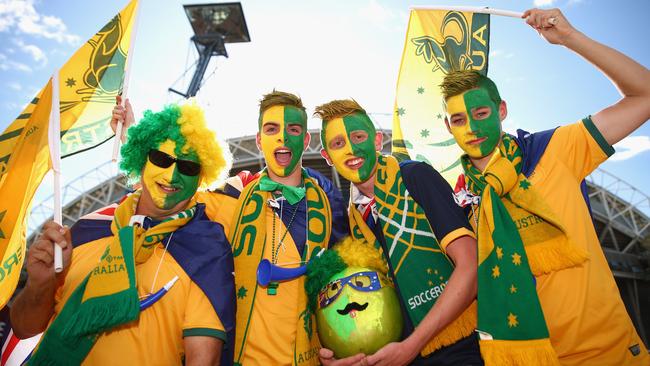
<point x="358" y="312"/>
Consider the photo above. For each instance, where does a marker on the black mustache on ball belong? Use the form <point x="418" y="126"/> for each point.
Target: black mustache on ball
<point x="352" y="306"/>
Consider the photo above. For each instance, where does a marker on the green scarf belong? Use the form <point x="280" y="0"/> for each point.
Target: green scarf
<point x="248" y="239"/>
<point x="418" y="264"/>
<point x="108" y="296"/>
<point x="510" y="318"/>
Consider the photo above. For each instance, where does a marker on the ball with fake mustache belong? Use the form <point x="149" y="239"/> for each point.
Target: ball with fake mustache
<point x="358" y="312"/>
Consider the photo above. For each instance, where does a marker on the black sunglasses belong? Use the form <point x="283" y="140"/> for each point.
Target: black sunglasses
<point x="186" y="167"/>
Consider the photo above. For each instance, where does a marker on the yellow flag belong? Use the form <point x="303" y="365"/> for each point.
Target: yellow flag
<point x="437" y="41"/>
<point x="88" y="85"/>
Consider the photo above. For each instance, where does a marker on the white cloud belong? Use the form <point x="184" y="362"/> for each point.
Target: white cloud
<point x="501" y="53"/>
<point x="543" y="2"/>
<point x="37" y="54"/>
<point x="376" y="12"/>
<point x="15" y="86"/>
<point x="630" y="147"/>
<point x="6" y="64"/>
<point x="22" y="17"/>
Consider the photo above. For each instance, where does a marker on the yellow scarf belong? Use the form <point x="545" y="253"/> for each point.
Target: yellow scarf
<point x="249" y="238"/>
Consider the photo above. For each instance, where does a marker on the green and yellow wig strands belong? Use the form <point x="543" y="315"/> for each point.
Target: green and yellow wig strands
<point x="347" y="253"/>
<point x="184" y="124"/>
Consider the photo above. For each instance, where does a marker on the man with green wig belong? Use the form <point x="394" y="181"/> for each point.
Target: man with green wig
<point x="284" y="214"/>
<point x="545" y="293"/>
<point x="408" y="211"/>
<point x="147" y="281"/>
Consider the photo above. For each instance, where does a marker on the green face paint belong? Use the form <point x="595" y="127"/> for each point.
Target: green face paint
<point x="350" y="143"/>
<point x="167" y="186"/>
<point x="282" y="144"/>
<point x="481" y="132"/>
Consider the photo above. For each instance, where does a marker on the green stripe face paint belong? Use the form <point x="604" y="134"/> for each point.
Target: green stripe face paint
<point x="282" y="132"/>
<point x="167" y="186"/>
<point x="480" y="131"/>
<point x="350" y="143"/>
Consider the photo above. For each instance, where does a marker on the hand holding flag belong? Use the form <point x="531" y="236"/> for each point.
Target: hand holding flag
<point x="550" y="24"/>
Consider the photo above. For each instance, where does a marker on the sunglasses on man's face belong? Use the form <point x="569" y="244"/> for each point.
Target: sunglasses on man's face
<point x="185" y="167"/>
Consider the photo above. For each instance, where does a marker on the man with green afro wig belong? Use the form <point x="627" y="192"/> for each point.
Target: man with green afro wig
<point x="356" y="306"/>
<point x="155" y="249"/>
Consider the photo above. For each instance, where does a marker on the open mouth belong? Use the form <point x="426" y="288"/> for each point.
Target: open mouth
<point x="354" y="163"/>
<point x="168" y="189"/>
<point x="352" y="309"/>
<point x="282" y="156"/>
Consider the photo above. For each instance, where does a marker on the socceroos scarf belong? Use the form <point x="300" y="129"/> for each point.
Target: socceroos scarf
<point x="418" y="264"/>
<point x="510" y="318"/>
<point x="108" y="296"/>
<point x="249" y="239"/>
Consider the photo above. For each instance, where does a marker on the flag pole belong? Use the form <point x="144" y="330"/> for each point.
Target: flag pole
<point x="472" y="9"/>
<point x="125" y="84"/>
<point x="54" y="142"/>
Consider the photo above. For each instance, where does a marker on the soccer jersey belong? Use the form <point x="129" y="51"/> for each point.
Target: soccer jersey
<point x="586" y="317"/>
<point x="156" y="338"/>
<point x="270" y="325"/>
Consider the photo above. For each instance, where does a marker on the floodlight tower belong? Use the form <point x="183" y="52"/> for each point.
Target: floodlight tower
<point x="214" y="25"/>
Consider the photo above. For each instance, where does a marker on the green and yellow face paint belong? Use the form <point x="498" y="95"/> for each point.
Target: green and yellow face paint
<point x="474" y="121"/>
<point x="168" y="186"/>
<point x="350" y="143"/>
<point x="282" y="137"/>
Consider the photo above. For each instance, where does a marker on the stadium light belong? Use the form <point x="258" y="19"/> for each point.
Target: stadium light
<point x="214" y="25"/>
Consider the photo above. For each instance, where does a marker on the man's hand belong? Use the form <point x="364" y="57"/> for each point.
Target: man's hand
<point x="550" y="24"/>
<point x="34" y="305"/>
<point x="40" y="257"/>
<point x="122" y="114"/>
<point x="327" y="359"/>
<point x="393" y="354"/>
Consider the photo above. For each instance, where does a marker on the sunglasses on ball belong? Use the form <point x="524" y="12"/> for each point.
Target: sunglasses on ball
<point x="185" y="167"/>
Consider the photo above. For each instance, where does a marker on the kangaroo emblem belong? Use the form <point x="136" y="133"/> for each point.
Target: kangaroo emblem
<point x="453" y="52"/>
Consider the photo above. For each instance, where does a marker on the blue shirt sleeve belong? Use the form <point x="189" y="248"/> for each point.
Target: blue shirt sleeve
<point x="434" y="195"/>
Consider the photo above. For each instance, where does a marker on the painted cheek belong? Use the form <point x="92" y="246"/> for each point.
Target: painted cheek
<point x="188" y="186"/>
<point x="295" y="143"/>
<point x="339" y="156"/>
<point x="154" y="175"/>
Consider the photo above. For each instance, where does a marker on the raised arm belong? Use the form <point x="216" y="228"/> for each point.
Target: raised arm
<point x="34" y="306"/>
<point x="630" y="78"/>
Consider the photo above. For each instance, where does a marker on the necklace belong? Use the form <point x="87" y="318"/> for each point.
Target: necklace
<point x="272" y="288"/>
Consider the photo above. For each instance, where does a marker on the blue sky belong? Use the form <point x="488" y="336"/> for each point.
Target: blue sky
<point x="323" y="50"/>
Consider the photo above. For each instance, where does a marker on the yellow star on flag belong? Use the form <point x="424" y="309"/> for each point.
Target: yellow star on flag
<point x="512" y="320"/>
<point x="513" y="289"/>
<point x="495" y="272"/>
<point x="499" y="252"/>
<point x="516" y="259"/>
<point x="429" y="270"/>
<point x="430" y="283"/>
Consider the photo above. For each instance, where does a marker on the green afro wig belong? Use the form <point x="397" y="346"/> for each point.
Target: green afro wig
<point x="184" y="125"/>
<point x="346" y="253"/>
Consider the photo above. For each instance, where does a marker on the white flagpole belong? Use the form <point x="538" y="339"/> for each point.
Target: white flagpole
<point x="127" y="76"/>
<point x="54" y="142"/>
<point x="472" y="9"/>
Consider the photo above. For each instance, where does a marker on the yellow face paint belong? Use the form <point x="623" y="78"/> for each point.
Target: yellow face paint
<point x="167" y="186"/>
<point x="282" y="136"/>
<point x="477" y="134"/>
<point x="355" y="162"/>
